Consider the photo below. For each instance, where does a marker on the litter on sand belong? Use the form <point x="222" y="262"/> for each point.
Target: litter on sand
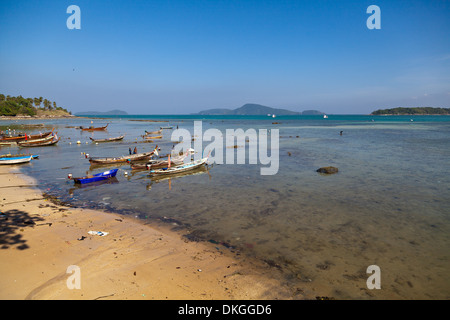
<point x="98" y="233"/>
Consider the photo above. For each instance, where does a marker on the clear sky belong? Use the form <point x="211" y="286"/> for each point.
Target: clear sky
<point x="172" y="57"/>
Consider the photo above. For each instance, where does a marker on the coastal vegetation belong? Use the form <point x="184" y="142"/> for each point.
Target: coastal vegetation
<point x="20" y="106"/>
<point x="412" y="110"/>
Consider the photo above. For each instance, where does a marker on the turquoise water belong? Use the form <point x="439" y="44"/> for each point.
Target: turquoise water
<point x="388" y="205"/>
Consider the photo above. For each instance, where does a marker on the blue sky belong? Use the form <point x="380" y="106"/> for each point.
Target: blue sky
<point x="172" y="57"/>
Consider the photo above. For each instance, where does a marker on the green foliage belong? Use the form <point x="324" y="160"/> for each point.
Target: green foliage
<point x="412" y="110"/>
<point x="13" y="106"/>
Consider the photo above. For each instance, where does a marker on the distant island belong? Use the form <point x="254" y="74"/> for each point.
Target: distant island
<point x="30" y="107"/>
<point x="256" y="109"/>
<point x="99" y="113"/>
<point x="412" y="111"/>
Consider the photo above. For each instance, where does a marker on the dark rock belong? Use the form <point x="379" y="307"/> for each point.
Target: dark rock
<point x="328" y="170"/>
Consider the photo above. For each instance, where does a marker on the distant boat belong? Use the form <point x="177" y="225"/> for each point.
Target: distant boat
<point x="273" y="116"/>
<point x="15" y="160"/>
<point x="96" y="177"/>
<point x="325" y="116"/>
<point x="153" y="132"/>
<point x="94" y="128"/>
<point x="107" y="139"/>
<point x="169" y="127"/>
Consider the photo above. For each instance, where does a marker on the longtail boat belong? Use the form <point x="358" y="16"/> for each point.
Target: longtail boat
<point x="107" y="139"/>
<point x="153" y="132"/>
<point x="96" y="177"/>
<point x="155" y="164"/>
<point x="35" y="156"/>
<point x="48" y="141"/>
<point x="122" y="159"/>
<point x="15" y="160"/>
<point x="179" y="169"/>
<point x="151" y="138"/>
<point x="15" y="139"/>
<point x="94" y="128"/>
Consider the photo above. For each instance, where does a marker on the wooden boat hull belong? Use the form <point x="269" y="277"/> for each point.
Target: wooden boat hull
<point x="96" y="177"/>
<point x="6" y="139"/>
<point x="155" y="137"/>
<point x="122" y="159"/>
<point x="15" y="160"/>
<point x="39" y="142"/>
<point x="107" y="140"/>
<point x="153" y="132"/>
<point x="94" y="129"/>
<point x="179" y="169"/>
<point x="157" y="164"/>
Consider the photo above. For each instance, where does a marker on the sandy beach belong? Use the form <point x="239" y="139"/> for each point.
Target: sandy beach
<point x="39" y="240"/>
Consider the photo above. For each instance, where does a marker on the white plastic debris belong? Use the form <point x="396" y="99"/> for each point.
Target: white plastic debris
<point x="98" y="233"/>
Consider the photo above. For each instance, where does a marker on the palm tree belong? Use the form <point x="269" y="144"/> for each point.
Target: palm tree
<point x="37" y="102"/>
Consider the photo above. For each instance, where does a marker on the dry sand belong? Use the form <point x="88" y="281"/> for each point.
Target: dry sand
<point x="39" y="240"/>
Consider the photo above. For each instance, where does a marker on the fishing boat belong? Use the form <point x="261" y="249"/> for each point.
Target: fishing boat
<point x="107" y="139"/>
<point x="151" y="138"/>
<point x="122" y="159"/>
<point x="4" y="140"/>
<point x="155" y="164"/>
<point x="152" y="132"/>
<point x="48" y="141"/>
<point x="15" y="160"/>
<point x="35" y="156"/>
<point x="96" y="177"/>
<point x="179" y="169"/>
<point x="91" y="128"/>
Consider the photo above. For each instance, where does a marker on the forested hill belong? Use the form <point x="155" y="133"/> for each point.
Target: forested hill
<point x="413" y="110"/>
<point x="20" y="106"/>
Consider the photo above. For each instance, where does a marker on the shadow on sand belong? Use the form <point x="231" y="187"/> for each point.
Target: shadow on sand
<point x="11" y="224"/>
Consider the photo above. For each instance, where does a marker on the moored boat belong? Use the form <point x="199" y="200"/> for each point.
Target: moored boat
<point x="108" y="139"/>
<point x="179" y="169"/>
<point x="122" y="159"/>
<point x="96" y="177"/>
<point x="153" y="132"/>
<point x="15" y="160"/>
<point x="91" y="128"/>
<point x="155" y="164"/>
<point x="151" y="138"/>
<point x="48" y="141"/>
<point x="14" y="139"/>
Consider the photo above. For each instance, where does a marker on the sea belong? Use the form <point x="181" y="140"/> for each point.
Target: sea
<point x="379" y="228"/>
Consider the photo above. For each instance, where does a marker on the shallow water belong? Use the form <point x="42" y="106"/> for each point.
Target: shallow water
<point x="389" y="204"/>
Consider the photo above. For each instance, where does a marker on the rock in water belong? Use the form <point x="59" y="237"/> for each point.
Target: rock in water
<point x="328" y="170"/>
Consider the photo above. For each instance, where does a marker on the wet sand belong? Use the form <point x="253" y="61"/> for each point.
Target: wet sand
<point x="40" y="239"/>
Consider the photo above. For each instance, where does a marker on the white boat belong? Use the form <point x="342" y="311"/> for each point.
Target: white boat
<point x="181" y="168"/>
<point x="15" y="160"/>
<point x="325" y="116"/>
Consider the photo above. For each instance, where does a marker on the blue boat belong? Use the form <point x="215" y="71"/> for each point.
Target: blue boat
<point x="96" y="177"/>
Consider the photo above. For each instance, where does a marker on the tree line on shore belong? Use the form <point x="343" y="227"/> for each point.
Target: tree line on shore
<point x="412" y="110"/>
<point x="13" y="106"/>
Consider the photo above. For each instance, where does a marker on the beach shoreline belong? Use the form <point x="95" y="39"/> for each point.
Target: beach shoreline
<point x="40" y="240"/>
